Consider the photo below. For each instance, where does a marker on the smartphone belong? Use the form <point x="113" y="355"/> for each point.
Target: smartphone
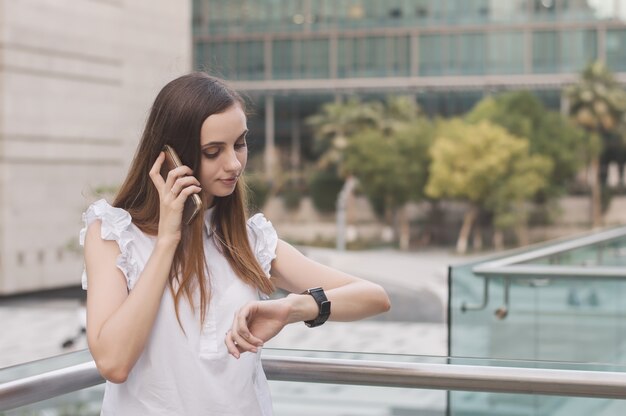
<point x="193" y="204"/>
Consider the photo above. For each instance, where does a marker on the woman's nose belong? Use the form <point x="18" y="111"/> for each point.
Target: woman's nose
<point x="232" y="162"/>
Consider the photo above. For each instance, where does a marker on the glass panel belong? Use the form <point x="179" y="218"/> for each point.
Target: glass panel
<point x="300" y="398"/>
<point x="300" y="59"/>
<point x="372" y="56"/>
<point x="553" y="316"/>
<point x="578" y="48"/>
<point x="545" y="52"/>
<point x="509" y="11"/>
<point x="249" y="60"/>
<point x="431" y="53"/>
<point x="41" y="366"/>
<point x="220" y="58"/>
<point x="467" y="54"/>
<point x="593" y="9"/>
<point x="314" y="59"/>
<point x="86" y="402"/>
<point x="505" y="53"/>
<point x="399" y="56"/>
<point x="544" y="9"/>
<point x="547" y="318"/>
<point x="616" y="49"/>
<point x="239" y="16"/>
<point x="282" y="59"/>
<point x="467" y="11"/>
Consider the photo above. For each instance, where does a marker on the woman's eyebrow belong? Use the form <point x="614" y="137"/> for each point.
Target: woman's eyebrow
<point x="223" y="143"/>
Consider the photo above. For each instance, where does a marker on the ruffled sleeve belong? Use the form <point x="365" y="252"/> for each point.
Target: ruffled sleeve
<point x="116" y="224"/>
<point x="263" y="239"/>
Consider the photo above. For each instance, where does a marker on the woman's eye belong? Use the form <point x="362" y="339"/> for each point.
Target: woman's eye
<point x="240" y="145"/>
<point x="211" y="155"/>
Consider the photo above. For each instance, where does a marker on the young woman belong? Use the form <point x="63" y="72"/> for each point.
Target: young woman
<point x="176" y="312"/>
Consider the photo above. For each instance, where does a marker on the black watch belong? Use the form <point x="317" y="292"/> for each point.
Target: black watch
<point x="322" y="303"/>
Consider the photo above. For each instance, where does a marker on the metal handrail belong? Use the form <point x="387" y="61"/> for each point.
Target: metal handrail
<point x="545" y="271"/>
<point x="510" y="268"/>
<point x="503" y="266"/>
<point x="576" y="383"/>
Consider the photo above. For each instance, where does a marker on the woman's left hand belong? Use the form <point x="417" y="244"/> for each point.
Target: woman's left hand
<point x="256" y="323"/>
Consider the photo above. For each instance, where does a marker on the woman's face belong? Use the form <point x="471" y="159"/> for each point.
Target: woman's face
<point x="223" y="153"/>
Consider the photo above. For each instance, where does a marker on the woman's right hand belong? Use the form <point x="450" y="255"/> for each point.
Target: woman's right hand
<point x="173" y="193"/>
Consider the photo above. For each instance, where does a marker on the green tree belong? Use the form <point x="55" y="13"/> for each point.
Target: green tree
<point x="336" y="123"/>
<point x="548" y="132"/>
<point x="597" y="103"/>
<point x="392" y="167"/>
<point x="340" y="125"/>
<point x="489" y="168"/>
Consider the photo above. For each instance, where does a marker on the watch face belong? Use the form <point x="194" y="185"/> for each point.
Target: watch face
<point x="325" y="308"/>
<point x="322" y="303"/>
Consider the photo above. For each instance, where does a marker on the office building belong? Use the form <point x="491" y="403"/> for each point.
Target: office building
<point x="292" y="56"/>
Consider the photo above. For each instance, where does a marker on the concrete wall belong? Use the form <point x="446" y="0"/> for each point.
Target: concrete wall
<point x="76" y="82"/>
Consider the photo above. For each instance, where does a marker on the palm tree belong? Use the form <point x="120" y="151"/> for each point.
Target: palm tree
<point x="334" y="125"/>
<point x="338" y="122"/>
<point x="597" y="103"/>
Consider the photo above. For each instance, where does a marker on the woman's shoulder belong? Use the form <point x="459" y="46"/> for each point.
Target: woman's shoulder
<point x="113" y="224"/>
<point x="113" y="221"/>
<point x="263" y="239"/>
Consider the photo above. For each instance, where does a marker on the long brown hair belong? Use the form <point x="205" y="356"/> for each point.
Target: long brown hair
<point x="176" y="119"/>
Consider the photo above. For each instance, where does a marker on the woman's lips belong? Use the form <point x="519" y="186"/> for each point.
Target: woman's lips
<point x="229" y="181"/>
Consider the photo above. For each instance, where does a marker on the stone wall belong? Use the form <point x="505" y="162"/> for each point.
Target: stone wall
<point x="76" y="82"/>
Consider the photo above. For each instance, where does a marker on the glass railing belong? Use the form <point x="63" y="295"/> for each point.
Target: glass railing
<point x="349" y="383"/>
<point x="559" y="301"/>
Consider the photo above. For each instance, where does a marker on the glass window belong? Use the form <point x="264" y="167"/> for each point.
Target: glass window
<point x="599" y="9"/>
<point x="249" y="60"/>
<point x="431" y="52"/>
<point x="467" y="11"/>
<point x="578" y="48"/>
<point x="616" y="49"/>
<point x="372" y="56"/>
<point x="544" y="9"/>
<point x="300" y="59"/>
<point x="314" y="58"/>
<point x="232" y="60"/>
<point x="282" y="59"/>
<point x="344" y="60"/>
<point x="545" y="52"/>
<point x="505" y="53"/>
<point x="567" y="51"/>
<point x="466" y="54"/>
<point x="400" y="56"/>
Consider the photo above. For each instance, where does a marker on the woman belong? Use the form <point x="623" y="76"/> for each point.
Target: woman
<point x="175" y="318"/>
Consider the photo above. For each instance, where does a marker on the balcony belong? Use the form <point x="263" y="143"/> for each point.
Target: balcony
<point x="538" y="331"/>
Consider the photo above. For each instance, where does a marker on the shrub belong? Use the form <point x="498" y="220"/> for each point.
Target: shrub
<point x="324" y="188"/>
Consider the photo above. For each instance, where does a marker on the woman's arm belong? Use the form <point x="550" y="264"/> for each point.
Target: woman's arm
<point x="118" y="322"/>
<point x="351" y="299"/>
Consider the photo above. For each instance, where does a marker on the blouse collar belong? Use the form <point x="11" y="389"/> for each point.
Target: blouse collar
<point x="208" y="215"/>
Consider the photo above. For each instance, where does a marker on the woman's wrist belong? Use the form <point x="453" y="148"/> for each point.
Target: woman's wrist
<point x="301" y="307"/>
<point x="167" y="242"/>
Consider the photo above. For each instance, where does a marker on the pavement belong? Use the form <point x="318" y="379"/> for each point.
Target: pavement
<point x="37" y="327"/>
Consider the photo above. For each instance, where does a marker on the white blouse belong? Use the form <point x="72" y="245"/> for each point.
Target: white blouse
<point x="192" y="374"/>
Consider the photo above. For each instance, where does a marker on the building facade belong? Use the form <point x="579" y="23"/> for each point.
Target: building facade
<point x="76" y="82"/>
<point x="292" y="55"/>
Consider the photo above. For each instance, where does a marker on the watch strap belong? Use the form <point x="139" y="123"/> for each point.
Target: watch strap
<point x="323" y="305"/>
